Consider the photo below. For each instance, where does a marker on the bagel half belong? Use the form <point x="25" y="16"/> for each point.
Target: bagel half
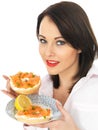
<point x="34" y="119"/>
<point x="26" y="89"/>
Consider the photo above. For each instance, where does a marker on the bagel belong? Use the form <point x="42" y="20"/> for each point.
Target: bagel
<point x="25" y="82"/>
<point x="36" y="115"/>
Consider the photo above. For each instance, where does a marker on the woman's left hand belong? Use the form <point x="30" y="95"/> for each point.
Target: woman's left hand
<point x="64" y="123"/>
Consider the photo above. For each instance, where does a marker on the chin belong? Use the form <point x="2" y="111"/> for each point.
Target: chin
<point x="52" y="72"/>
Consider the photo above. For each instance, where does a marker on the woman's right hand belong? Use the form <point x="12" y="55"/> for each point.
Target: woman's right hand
<point x="8" y="90"/>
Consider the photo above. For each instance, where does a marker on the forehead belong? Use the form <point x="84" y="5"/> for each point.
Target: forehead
<point x="48" y="27"/>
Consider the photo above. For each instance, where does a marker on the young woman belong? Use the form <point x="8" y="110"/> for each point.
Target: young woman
<point x="68" y="48"/>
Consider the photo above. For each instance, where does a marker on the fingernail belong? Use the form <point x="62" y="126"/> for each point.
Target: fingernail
<point x="59" y="103"/>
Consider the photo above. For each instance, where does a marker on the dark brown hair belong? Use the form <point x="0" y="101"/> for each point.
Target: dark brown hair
<point x="74" y="25"/>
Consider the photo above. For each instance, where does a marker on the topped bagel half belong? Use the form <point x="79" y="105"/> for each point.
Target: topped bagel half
<point x="25" y="82"/>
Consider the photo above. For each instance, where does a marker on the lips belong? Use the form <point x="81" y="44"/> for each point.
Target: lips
<point x="52" y="63"/>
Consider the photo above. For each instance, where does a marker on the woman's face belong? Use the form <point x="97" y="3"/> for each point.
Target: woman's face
<point x="58" y="56"/>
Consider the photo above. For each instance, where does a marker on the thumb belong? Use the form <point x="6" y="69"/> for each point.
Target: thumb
<point x="61" y="108"/>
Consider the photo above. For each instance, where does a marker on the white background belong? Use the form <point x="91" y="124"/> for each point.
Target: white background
<point x="19" y="45"/>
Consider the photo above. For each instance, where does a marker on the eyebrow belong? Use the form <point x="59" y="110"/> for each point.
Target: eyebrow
<point x="41" y="36"/>
<point x="54" y="38"/>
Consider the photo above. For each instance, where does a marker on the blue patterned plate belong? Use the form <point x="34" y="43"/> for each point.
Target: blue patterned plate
<point x="42" y="100"/>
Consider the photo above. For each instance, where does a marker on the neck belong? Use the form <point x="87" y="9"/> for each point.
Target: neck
<point x="66" y="83"/>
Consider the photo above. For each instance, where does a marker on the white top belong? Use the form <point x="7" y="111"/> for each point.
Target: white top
<point x="82" y="103"/>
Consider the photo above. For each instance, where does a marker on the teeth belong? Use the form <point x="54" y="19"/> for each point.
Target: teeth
<point x="52" y="62"/>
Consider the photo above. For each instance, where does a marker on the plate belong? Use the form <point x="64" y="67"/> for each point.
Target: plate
<point x="41" y="100"/>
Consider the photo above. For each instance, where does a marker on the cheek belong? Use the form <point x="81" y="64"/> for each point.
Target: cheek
<point x="69" y="55"/>
<point x="41" y="51"/>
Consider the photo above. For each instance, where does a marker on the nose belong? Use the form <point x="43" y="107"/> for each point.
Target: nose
<point x="49" y="50"/>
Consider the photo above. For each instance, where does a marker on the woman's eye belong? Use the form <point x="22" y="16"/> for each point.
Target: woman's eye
<point x="60" y="42"/>
<point x="42" y="40"/>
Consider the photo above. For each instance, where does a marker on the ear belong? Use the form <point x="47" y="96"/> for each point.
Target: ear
<point x="79" y="51"/>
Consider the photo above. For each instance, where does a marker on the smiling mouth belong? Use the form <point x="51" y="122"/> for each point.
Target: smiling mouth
<point x="52" y="63"/>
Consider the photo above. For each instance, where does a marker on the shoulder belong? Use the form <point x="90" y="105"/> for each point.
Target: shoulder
<point x="46" y="86"/>
<point x="83" y="101"/>
<point x="93" y="71"/>
<point x="86" y="89"/>
<point x="90" y="80"/>
<point x="46" y="79"/>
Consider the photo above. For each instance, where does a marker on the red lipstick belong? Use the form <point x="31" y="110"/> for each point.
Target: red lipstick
<point x="52" y="63"/>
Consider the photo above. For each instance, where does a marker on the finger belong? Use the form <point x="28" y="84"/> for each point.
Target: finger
<point x="60" y="107"/>
<point x="5" y="77"/>
<point x="8" y="82"/>
<point x="25" y="124"/>
<point x="10" y="94"/>
<point x="8" y="86"/>
<point x="51" y="124"/>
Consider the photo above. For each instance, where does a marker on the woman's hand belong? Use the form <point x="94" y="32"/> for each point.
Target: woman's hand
<point x="8" y="90"/>
<point x="64" y="123"/>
